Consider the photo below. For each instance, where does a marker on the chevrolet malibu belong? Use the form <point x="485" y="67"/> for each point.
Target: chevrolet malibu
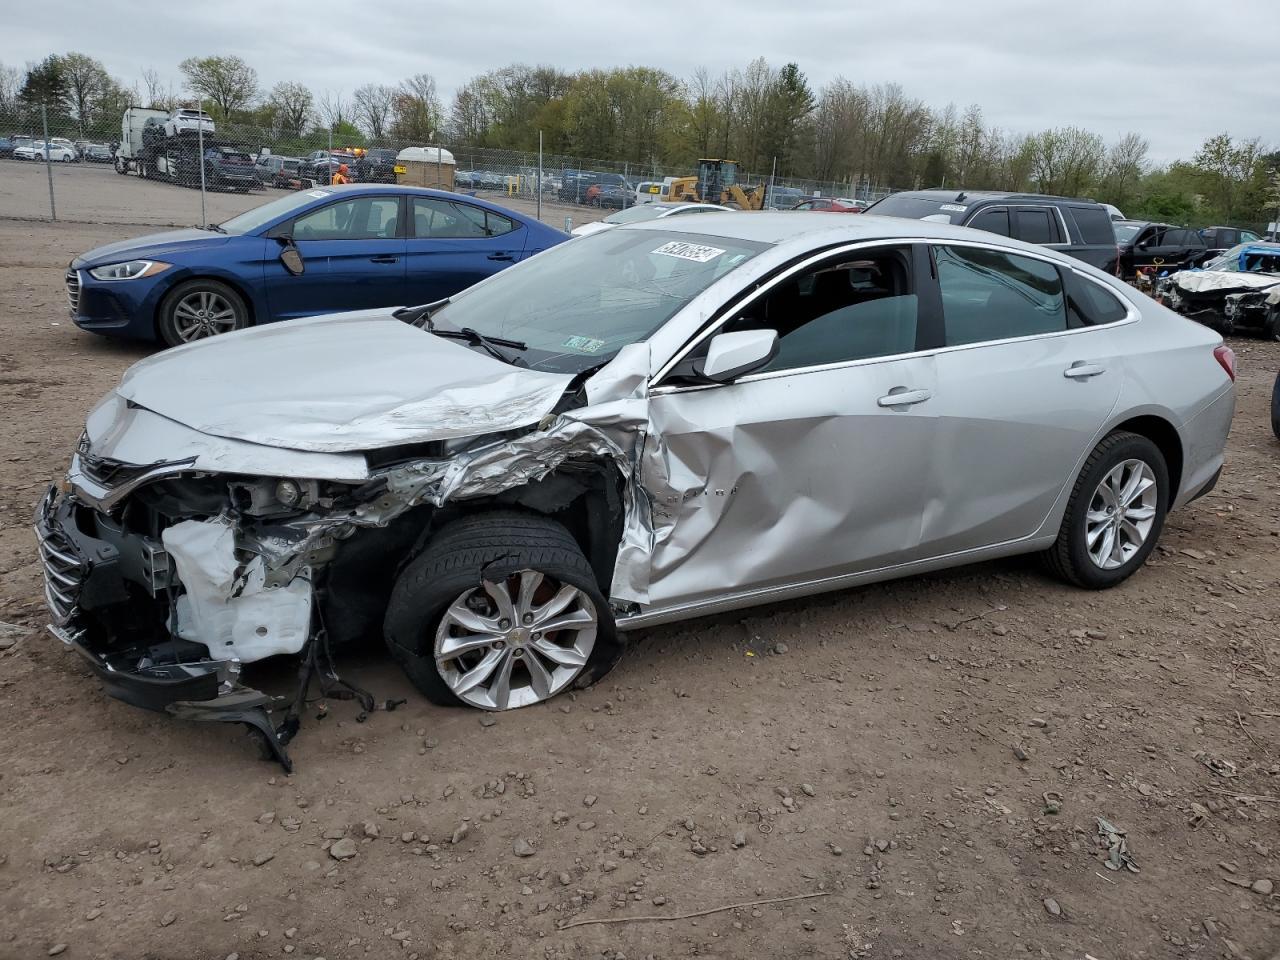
<point x="316" y="251"/>
<point x="663" y="420"/>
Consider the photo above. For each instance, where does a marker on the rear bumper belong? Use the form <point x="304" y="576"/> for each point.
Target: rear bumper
<point x="1206" y="442"/>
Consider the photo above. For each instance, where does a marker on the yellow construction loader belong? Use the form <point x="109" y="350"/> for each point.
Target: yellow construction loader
<point x="717" y="182"/>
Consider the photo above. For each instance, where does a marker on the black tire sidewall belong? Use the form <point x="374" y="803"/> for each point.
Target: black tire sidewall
<point x="164" y="320"/>
<point x="1126" y="447"/>
<point x="1275" y="408"/>
<point x="437" y="576"/>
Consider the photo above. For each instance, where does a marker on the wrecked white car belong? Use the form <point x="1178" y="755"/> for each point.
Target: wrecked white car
<point x="662" y="420"/>
<point x="1230" y="292"/>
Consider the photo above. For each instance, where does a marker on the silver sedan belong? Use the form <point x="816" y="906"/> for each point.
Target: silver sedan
<point x="665" y="419"/>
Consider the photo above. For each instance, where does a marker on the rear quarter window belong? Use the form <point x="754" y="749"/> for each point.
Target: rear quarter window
<point x="1095" y="225"/>
<point x="1090" y="304"/>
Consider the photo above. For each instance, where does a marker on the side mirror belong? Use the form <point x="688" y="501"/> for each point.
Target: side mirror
<point x="732" y="355"/>
<point x="291" y="257"/>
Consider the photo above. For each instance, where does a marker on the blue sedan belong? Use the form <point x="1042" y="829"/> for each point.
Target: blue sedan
<point x="315" y="251"/>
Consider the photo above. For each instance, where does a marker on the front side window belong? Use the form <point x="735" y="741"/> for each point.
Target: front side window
<point x="860" y="306"/>
<point x="990" y="295"/>
<point x="361" y="218"/>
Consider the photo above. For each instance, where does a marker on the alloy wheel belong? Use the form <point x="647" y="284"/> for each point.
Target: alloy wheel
<point x="1121" y="513"/>
<point x="515" y="642"/>
<point x="201" y="314"/>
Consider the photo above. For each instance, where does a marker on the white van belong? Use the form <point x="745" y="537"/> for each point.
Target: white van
<point x="654" y="191"/>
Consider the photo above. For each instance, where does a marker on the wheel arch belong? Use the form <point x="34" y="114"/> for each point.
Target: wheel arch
<point x="235" y="283"/>
<point x="1168" y="441"/>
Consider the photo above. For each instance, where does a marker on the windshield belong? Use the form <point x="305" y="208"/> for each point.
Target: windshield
<point x="251" y="220"/>
<point x="1228" y="262"/>
<point x="580" y="303"/>
<point x="1125" y="232"/>
<point x="648" y="211"/>
<point x="917" y="208"/>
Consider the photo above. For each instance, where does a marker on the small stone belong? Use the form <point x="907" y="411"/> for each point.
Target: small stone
<point x="267" y="818"/>
<point x="56" y="949"/>
<point x="460" y="834"/>
<point x="1019" y="753"/>
<point x="586" y="825"/>
<point x="1038" y="722"/>
<point x="837" y="851"/>
<point x="659" y="901"/>
<point x="263" y="858"/>
<point x="522" y="847"/>
<point x="609" y="866"/>
<point x="1000" y="630"/>
<point x="564" y="879"/>
<point x="168" y="919"/>
<point x="406" y="837"/>
<point x="807" y="924"/>
<point x="93" y="914"/>
<point x="780" y="648"/>
<point x="343" y="849"/>
<point x="371" y="830"/>
<point x="1263" y="886"/>
<point x="740" y="839"/>
<point x="559" y="817"/>
<point x="589" y="800"/>
<point x="487" y="721"/>
<point x="882" y="845"/>
<point x="807" y="790"/>
<point x="1051" y="905"/>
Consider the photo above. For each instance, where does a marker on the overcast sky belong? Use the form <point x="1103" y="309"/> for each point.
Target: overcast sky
<point x="1176" y="72"/>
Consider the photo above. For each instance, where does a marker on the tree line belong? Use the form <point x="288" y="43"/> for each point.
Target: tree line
<point x="768" y="118"/>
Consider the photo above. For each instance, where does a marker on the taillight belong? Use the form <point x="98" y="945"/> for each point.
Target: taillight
<point x="1226" y="357"/>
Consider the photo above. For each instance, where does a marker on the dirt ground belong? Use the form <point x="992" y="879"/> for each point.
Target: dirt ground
<point x="924" y="761"/>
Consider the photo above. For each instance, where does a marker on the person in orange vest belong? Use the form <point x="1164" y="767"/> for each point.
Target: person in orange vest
<point x="341" y="175"/>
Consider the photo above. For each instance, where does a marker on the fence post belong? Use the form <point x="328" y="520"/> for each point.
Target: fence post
<point x="539" y="176"/>
<point x="204" y="217"/>
<point x="48" y="165"/>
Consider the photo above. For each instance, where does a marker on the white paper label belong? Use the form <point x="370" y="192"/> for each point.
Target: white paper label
<point x="953" y="208"/>
<point x="696" y="252"/>
<point x="318" y="194"/>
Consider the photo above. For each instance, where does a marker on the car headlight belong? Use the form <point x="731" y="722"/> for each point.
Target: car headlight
<point x="129" y="270"/>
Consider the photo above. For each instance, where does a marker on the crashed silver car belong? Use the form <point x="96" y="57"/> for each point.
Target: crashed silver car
<point x="660" y="421"/>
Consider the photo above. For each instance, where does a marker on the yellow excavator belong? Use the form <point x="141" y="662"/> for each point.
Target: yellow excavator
<point x="717" y="182"/>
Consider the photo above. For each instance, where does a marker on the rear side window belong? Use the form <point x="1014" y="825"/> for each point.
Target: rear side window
<point x="445" y="220"/>
<point x="1034" y="225"/>
<point x="1175" y="238"/>
<point x="1095" y="225"/>
<point x="992" y="221"/>
<point x="1089" y="304"/>
<point x="988" y="295"/>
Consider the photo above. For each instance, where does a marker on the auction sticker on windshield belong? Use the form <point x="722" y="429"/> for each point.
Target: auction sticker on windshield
<point x="696" y="252"/>
<point x="584" y="344"/>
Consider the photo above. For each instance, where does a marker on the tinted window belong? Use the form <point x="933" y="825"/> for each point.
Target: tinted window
<point x="1034" y="226"/>
<point x="917" y="208"/>
<point x="993" y="221"/>
<point x="839" y="311"/>
<point x="1095" y="224"/>
<point x="1248" y="237"/>
<point x="1089" y="303"/>
<point x="988" y="295"/>
<point x="446" y="220"/>
<point x="1174" y="238"/>
<point x="363" y="218"/>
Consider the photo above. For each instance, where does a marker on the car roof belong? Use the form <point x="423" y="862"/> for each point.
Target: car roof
<point x="785" y="226"/>
<point x="971" y="196"/>
<point x="398" y="189"/>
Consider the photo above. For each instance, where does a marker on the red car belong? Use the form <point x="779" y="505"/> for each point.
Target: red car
<point x="829" y="205"/>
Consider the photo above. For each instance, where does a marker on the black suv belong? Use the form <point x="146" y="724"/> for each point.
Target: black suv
<point x="1081" y="228"/>
<point x="1159" y="246"/>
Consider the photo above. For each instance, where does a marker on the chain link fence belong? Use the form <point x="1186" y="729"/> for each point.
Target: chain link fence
<point x="161" y="168"/>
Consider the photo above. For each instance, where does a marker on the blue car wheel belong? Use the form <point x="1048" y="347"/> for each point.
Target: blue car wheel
<point x="198" y="309"/>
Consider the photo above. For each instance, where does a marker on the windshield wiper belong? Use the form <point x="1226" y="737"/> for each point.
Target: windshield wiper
<point x="413" y="315"/>
<point x="490" y="344"/>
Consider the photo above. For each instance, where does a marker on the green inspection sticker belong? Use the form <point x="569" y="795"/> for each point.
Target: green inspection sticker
<point x="584" y="344"/>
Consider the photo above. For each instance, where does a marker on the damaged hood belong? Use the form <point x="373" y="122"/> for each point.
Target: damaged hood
<point x="339" y="383"/>
<point x="1203" y="281"/>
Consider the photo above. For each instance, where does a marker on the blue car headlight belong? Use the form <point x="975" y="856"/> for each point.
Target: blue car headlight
<point x="129" y="270"/>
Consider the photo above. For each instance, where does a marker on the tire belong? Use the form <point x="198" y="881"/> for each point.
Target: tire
<point x="1070" y="558"/>
<point x="180" y="321"/>
<point x="464" y="567"/>
<point x="1275" y="408"/>
<point x="1271" y="326"/>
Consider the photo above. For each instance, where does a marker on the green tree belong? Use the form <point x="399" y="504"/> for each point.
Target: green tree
<point x="228" y="83"/>
<point x="292" y="106"/>
<point x="45" y="84"/>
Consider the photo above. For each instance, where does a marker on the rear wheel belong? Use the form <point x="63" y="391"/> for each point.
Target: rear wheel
<point x="1275" y="408"/>
<point x="199" y="309"/>
<point x="1115" y="513"/>
<point x="500" y="611"/>
<point x="1271" y="326"/>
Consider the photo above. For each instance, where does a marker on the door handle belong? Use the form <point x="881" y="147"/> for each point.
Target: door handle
<point x="902" y="397"/>
<point x="384" y="258"/>
<point x="502" y="256"/>
<point x="1083" y="370"/>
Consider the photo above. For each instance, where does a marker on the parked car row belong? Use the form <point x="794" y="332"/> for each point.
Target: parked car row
<point x="463" y="478"/>
<point x="58" y="149"/>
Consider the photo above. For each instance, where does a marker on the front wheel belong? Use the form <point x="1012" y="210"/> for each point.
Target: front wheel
<point x="1115" y="514"/>
<point x="1275" y="408"/>
<point x="199" y="309"/>
<point x="500" y="611"/>
<point x="1271" y="326"/>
